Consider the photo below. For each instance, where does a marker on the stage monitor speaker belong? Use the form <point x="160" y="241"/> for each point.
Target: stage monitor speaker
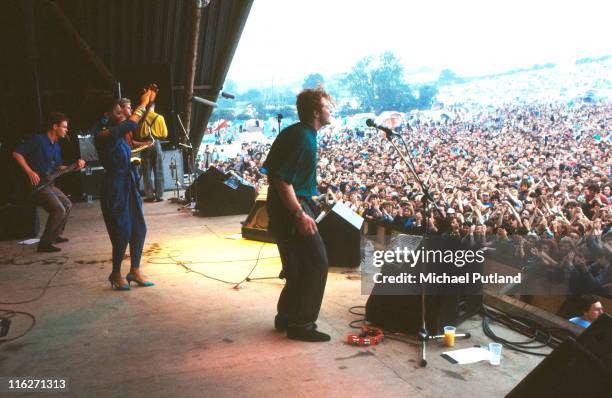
<point x="255" y="227"/>
<point x="583" y="366"/>
<point x="340" y="229"/>
<point x="403" y="313"/>
<point x="398" y="307"/>
<point x="221" y="194"/>
<point x="18" y="222"/>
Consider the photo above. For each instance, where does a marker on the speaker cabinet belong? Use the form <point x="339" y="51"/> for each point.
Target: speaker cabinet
<point x="91" y="181"/>
<point x="340" y="229"/>
<point x="575" y="368"/>
<point x="399" y="306"/>
<point x="255" y="227"/>
<point x="403" y="313"/>
<point x="18" y="222"/>
<point x="221" y="194"/>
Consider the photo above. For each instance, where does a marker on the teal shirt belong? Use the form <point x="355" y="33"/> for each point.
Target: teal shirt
<point x="293" y="158"/>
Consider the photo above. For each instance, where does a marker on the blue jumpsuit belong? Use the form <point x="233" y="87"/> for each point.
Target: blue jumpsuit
<point x="119" y="195"/>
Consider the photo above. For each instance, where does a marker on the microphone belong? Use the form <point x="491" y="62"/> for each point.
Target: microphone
<point x="388" y="132"/>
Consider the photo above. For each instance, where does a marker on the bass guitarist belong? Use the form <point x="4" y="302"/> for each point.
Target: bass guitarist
<point x="38" y="157"/>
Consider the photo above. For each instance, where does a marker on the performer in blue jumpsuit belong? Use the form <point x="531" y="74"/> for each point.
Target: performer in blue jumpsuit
<point x="120" y="197"/>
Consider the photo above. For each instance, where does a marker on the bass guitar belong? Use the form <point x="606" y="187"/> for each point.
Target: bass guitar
<point x="48" y="179"/>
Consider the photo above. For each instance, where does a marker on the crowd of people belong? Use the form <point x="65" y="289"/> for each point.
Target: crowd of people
<point x="531" y="184"/>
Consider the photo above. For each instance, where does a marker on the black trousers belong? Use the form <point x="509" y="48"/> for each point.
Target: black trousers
<point x="305" y="269"/>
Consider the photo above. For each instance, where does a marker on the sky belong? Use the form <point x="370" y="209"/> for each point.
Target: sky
<point x="285" y="40"/>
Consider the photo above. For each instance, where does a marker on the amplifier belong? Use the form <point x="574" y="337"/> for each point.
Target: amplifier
<point x="18" y="222"/>
<point x="91" y="181"/>
<point x="398" y="306"/>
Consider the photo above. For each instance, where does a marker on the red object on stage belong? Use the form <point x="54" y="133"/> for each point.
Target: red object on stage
<point x="369" y="336"/>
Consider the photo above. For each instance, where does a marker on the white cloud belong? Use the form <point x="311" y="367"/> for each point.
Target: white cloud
<point x="285" y="40"/>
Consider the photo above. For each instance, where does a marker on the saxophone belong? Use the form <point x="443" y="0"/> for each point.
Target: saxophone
<point x="143" y="147"/>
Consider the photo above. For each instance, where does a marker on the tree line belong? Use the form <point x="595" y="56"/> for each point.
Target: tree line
<point x="374" y="84"/>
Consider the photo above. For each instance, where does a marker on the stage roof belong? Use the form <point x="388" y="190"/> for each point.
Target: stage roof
<point x="64" y="54"/>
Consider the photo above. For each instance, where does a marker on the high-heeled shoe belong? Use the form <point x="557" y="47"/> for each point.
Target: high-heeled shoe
<point x="115" y="285"/>
<point x="131" y="278"/>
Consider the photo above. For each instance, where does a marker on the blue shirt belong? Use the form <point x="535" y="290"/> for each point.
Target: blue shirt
<point x="580" y="322"/>
<point x="42" y="154"/>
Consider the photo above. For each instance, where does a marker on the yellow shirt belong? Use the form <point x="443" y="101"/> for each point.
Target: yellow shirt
<point x="154" y="124"/>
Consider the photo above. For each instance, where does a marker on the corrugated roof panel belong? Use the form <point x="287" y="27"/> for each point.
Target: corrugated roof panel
<point x="121" y="33"/>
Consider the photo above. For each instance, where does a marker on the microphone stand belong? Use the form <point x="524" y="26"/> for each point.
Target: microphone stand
<point x="429" y="205"/>
<point x="188" y="149"/>
<point x="175" y="176"/>
<point x="279" y="118"/>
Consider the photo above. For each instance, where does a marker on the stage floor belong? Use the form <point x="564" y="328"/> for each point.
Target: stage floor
<point x="189" y="336"/>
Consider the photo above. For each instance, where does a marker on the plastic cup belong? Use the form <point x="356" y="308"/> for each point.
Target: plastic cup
<point x="449" y="336"/>
<point x="496" y="350"/>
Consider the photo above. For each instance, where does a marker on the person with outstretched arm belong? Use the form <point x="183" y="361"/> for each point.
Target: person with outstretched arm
<point x="119" y="195"/>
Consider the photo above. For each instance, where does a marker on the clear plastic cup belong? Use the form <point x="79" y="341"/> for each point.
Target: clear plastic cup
<point x="496" y="350"/>
<point x="449" y="335"/>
